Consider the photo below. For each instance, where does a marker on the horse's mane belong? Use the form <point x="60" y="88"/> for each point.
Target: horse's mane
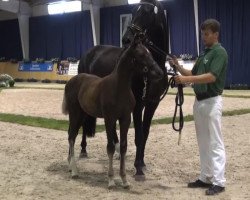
<point x="120" y="56"/>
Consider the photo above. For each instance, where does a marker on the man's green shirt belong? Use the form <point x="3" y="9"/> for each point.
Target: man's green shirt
<point x="213" y="60"/>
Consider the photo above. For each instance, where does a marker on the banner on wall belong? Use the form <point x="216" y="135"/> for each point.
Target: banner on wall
<point x="73" y="69"/>
<point x="67" y="68"/>
<point x="35" y="67"/>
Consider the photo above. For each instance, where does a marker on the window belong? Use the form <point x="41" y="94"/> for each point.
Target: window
<point x="133" y="1"/>
<point x="64" y="7"/>
<point x="125" y="20"/>
<point x="136" y="1"/>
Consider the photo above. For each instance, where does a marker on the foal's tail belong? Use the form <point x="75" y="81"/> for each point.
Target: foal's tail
<point x="65" y="109"/>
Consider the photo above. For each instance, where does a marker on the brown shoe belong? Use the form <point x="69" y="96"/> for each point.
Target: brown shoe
<point x="215" y="189"/>
<point x="199" y="184"/>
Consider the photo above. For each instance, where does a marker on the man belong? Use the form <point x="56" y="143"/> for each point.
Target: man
<point x="208" y="76"/>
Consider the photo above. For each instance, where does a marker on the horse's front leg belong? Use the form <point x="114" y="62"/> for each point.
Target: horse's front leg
<point x="124" y="126"/>
<point x="137" y="116"/>
<point x="109" y="124"/>
<point x="147" y="119"/>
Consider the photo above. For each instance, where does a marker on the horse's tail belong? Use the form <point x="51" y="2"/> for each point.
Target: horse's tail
<point x="65" y="109"/>
<point x="89" y="126"/>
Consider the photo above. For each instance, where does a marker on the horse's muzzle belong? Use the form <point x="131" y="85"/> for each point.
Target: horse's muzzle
<point x="156" y="73"/>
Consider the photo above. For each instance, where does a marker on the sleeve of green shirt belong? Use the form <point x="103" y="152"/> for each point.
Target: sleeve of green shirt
<point x="219" y="62"/>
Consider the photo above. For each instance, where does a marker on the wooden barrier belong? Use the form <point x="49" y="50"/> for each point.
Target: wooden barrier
<point x="12" y="70"/>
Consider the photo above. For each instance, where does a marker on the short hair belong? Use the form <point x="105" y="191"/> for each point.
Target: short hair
<point x="211" y="24"/>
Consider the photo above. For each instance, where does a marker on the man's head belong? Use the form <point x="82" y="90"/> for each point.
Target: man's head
<point x="210" y="29"/>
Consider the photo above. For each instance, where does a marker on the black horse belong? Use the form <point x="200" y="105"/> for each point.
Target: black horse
<point x="149" y="18"/>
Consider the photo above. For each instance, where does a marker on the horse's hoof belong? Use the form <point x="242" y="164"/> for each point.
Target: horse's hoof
<point x="74" y="176"/>
<point x="117" y="148"/>
<point x="126" y="186"/>
<point x="111" y="185"/>
<point x="83" y="155"/>
<point x="139" y="177"/>
<point x="117" y="157"/>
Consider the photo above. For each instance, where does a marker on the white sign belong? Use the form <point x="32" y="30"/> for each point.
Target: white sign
<point x="73" y="69"/>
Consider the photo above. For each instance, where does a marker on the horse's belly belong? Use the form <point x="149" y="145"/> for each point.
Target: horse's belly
<point x="93" y="113"/>
<point x="91" y="108"/>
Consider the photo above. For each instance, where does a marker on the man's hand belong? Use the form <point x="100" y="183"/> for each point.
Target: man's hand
<point x="179" y="79"/>
<point x="173" y="61"/>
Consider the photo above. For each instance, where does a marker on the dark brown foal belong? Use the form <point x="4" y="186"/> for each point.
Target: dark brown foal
<point x="110" y="98"/>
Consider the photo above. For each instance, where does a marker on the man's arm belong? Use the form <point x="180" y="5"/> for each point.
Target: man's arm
<point x="203" y="78"/>
<point x="183" y="71"/>
<point x="174" y="63"/>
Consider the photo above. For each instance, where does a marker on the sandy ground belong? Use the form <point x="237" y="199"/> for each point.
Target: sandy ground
<point x="33" y="161"/>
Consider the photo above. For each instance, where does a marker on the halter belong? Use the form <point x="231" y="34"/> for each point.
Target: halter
<point x="136" y="28"/>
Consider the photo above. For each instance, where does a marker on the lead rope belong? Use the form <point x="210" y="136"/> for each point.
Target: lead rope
<point x="179" y="100"/>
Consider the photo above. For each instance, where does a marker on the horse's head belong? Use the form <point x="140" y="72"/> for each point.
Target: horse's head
<point x="143" y="61"/>
<point x="146" y="17"/>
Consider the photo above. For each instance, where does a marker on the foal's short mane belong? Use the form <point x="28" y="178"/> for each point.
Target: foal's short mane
<point x="120" y="55"/>
<point x="123" y="52"/>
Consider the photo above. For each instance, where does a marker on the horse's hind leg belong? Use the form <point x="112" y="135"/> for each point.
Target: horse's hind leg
<point x="83" y="153"/>
<point x="88" y="126"/>
<point x="74" y="126"/>
<point x="124" y="126"/>
<point x="116" y="142"/>
<point x="110" y="151"/>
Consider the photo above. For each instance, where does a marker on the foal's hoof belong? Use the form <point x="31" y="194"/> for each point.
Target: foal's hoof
<point x="74" y="176"/>
<point x="139" y="177"/>
<point x="83" y="155"/>
<point x="117" y="157"/>
<point x="126" y="185"/>
<point x="111" y="185"/>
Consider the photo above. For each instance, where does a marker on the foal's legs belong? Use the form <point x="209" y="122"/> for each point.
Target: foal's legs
<point x="124" y="125"/>
<point x="83" y="153"/>
<point x="74" y="126"/>
<point x="89" y="126"/>
<point x="110" y="124"/>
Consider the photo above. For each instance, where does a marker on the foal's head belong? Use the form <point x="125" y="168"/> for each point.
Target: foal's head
<point x="143" y="62"/>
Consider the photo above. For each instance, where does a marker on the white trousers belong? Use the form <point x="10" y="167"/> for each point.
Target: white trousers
<point x="207" y="116"/>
